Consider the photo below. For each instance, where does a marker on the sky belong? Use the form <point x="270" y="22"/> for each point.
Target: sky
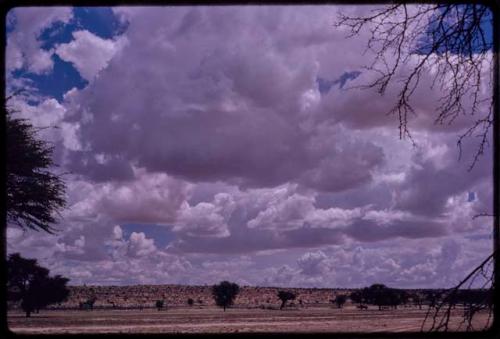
<point x="201" y="144"/>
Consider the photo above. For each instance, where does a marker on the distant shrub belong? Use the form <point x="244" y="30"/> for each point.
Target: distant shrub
<point x="284" y="296"/>
<point x="190" y="301"/>
<point x="225" y="293"/>
<point x="340" y="300"/>
<point x="160" y="304"/>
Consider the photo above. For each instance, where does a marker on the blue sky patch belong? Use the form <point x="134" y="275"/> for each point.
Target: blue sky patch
<point x="57" y="33"/>
<point x="324" y="85"/>
<point x="56" y="83"/>
<point x="161" y="234"/>
<point x="100" y="21"/>
<point x="425" y="43"/>
<point x="10" y="22"/>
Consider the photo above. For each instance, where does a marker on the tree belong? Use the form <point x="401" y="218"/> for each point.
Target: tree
<point x="88" y="304"/>
<point x="34" y="194"/>
<point x="159" y="304"/>
<point x="225" y="293"/>
<point x="31" y="284"/>
<point x="357" y="297"/>
<point x="381" y="295"/>
<point x="417" y="299"/>
<point x="284" y="296"/>
<point x="190" y="301"/>
<point x="340" y="300"/>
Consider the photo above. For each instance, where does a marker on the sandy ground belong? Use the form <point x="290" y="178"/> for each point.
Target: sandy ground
<point x="214" y="320"/>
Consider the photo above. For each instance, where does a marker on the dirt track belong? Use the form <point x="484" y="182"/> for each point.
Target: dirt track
<point x="214" y="320"/>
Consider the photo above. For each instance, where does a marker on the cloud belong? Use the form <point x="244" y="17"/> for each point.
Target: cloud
<point x="428" y="184"/>
<point x="205" y="219"/>
<point x="151" y="198"/>
<point x="89" y="53"/>
<point x="210" y="122"/>
<point x="227" y="112"/>
<point x="139" y="245"/>
<point x="23" y="46"/>
<point x="312" y="263"/>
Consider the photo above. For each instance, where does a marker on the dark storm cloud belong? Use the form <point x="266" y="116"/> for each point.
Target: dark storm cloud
<point x="251" y="240"/>
<point x="100" y="171"/>
<point x="366" y="230"/>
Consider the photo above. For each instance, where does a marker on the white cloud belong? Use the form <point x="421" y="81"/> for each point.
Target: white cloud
<point x="23" y="46"/>
<point x="139" y="245"/>
<point x="89" y="53"/>
<point x="206" y="219"/>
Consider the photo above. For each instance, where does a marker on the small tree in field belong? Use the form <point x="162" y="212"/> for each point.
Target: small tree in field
<point x="159" y="304"/>
<point x="285" y="296"/>
<point x="190" y="302"/>
<point x="417" y="300"/>
<point x="31" y="284"/>
<point x="340" y="300"/>
<point x="225" y="293"/>
<point x="357" y="297"/>
<point x="89" y="303"/>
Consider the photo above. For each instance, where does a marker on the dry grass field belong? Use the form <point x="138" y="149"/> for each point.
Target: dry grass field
<point x="210" y="319"/>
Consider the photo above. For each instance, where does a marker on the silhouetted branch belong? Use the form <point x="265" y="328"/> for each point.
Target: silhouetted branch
<point x="448" y="40"/>
<point x="439" y="314"/>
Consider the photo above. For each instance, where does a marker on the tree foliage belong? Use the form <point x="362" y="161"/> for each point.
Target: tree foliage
<point x="225" y="293"/>
<point x="88" y="304"/>
<point x="381" y="295"/>
<point x="340" y="300"/>
<point x="31" y="284"/>
<point x="357" y="297"/>
<point x="34" y="193"/>
<point x="160" y="304"/>
<point x="284" y="296"/>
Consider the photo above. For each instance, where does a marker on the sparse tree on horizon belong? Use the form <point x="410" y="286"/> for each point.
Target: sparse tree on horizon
<point x="89" y="303"/>
<point x="284" y="296"/>
<point x="225" y="293"/>
<point x="340" y="300"/>
<point x="159" y="304"/>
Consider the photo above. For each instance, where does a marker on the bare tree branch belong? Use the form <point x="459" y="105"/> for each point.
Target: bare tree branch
<point x="448" y="38"/>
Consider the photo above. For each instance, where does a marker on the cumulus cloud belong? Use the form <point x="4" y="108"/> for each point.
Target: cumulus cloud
<point x="212" y="123"/>
<point x="151" y="198"/>
<point x="139" y="245"/>
<point x="228" y="112"/>
<point x="23" y="46"/>
<point x="89" y="53"/>
<point x="312" y="263"/>
<point x="206" y="219"/>
<point x="428" y="185"/>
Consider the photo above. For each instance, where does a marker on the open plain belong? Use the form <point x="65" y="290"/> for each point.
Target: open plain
<point x="131" y="309"/>
<point x="210" y="319"/>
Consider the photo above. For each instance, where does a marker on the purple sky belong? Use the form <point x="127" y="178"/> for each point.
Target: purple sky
<point x="216" y="143"/>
